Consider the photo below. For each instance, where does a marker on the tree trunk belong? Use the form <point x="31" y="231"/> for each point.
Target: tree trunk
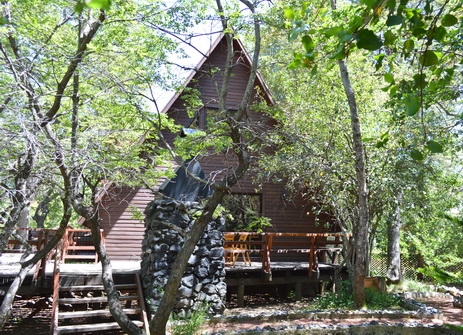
<point x="159" y="321"/>
<point x="42" y="210"/>
<point x="394" y="268"/>
<point x="360" y="232"/>
<point x="107" y="274"/>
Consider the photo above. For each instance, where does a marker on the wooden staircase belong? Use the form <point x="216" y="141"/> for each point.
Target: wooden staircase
<point x="78" y="246"/>
<point x="80" y="304"/>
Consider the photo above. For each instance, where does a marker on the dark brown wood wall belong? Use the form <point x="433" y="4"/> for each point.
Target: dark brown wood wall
<point x="123" y="231"/>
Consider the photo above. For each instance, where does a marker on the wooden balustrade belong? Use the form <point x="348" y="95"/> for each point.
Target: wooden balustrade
<point x="76" y="245"/>
<point x="319" y="246"/>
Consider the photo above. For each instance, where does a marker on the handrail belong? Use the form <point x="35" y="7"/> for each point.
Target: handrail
<point x="42" y="237"/>
<point x="56" y="279"/>
<point x="266" y="242"/>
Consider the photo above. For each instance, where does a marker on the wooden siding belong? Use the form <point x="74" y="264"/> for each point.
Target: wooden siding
<point x="124" y="232"/>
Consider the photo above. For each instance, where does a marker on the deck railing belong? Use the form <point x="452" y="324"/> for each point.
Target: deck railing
<point x="319" y="246"/>
<point x="76" y="245"/>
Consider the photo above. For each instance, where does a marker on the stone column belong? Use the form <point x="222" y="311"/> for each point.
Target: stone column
<point x="204" y="278"/>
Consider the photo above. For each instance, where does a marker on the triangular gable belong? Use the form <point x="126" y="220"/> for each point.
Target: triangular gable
<point x="238" y="45"/>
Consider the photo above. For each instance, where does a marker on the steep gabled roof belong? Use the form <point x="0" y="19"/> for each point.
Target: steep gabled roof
<point x="197" y="48"/>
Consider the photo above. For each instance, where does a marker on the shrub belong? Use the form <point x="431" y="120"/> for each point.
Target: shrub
<point x="191" y="325"/>
<point x="343" y="298"/>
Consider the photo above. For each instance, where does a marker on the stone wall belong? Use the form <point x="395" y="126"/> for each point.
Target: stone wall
<point x="204" y="277"/>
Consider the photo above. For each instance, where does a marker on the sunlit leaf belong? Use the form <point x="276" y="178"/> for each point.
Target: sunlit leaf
<point x="366" y="39"/>
<point x="449" y="20"/>
<point x="429" y="58"/>
<point x="289" y="13"/>
<point x="389" y="78"/>
<point x="408" y="45"/>
<point x="98" y="4"/>
<point x="416" y="155"/>
<point x="389" y="37"/>
<point x="434" y="147"/>
<point x="438" y="34"/>
<point x="333" y="31"/>
<point x="412" y="105"/>
<point x="79" y="7"/>
<point x="379" y="61"/>
<point x="307" y="42"/>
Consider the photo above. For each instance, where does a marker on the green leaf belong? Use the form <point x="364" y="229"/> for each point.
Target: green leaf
<point x="434" y="147"/>
<point x="416" y="155"/>
<point x="366" y="39"/>
<point x="389" y="37"/>
<point x="79" y="7"/>
<point x="449" y="20"/>
<point x="289" y="13"/>
<point x="394" y="20"/>
<point x="438" y="34"/>
<point x="409" y="45"/>
<point x="419" y="32"/>
<point x="307" y="42"/>
<point x="412" y="105"/>
<point x="379" y="61"/>
<point x="314" y="70"/>
<point x="333" y="31"/>
<point x="340" y="52"/>
<point x="419" y="80"/>
<point x="3" y="21"/>
<point x="98" y="4"/>
<point x="389" y="78"/>
<point x="429" y="58"/>
<point x="369" y="3"/>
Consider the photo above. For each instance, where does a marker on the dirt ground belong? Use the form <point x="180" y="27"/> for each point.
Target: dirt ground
<point x="451" y="315"/>
<point x="32" y="316"/>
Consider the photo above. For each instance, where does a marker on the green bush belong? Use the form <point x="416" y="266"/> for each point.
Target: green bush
<point x="190" y="325"/>
<point x="440" y="276"/>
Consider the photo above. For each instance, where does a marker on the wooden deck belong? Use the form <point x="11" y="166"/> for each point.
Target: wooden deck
<point x="264" y="272"/>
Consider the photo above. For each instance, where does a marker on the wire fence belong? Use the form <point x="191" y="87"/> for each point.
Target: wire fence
<point x="410" y="265"/>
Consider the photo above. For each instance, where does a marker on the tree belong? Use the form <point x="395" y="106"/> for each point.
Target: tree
<point x="64" y="106"/>
<point x="325" y="33"/>
<point x="100" y="77"/>
<point x="239" y="140"/>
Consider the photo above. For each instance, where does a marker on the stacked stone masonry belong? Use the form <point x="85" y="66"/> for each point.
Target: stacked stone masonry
<point x="203" y="282"/>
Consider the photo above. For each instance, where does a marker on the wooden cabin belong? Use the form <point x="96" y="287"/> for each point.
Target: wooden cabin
<point x="121" y="207"/>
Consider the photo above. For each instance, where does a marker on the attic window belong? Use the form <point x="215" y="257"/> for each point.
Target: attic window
<point x="202" y="118"/>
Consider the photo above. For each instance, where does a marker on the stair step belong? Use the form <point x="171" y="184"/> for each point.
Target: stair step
<point x="97" y="312"/>
<point x="81" y="247"/>
<point x="95" y="287"/>
<point x="91" y="327"/>
<point x="80" y="256"/>
<point x="89" y="300"/>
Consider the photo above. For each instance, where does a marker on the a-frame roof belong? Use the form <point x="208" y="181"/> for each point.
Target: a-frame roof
<point x="197" y="55"/>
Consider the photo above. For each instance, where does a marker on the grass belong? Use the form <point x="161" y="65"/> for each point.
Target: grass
<point x="412" y="286"/>
<point x="190" y="325"/>
<point x="344" y="299"/>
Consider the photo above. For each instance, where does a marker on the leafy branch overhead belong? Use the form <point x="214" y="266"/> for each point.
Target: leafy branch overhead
<point x="424" y="38"/>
